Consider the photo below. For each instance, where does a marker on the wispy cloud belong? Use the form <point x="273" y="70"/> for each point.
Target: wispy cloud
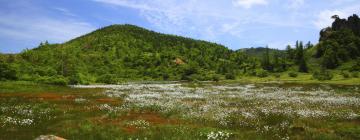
<point x="65" y="11"/>
<point x="198" y="18"/>
<point x="296" y="4"/>
<point x="249" y="3"/>
<point x="324" y="17"/>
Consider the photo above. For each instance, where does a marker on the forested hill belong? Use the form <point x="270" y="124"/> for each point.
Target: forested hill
<point x="125" y="52"/>
<point x="120" y="53"/>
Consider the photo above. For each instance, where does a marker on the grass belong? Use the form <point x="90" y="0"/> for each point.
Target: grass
<point x="179" y="111"/>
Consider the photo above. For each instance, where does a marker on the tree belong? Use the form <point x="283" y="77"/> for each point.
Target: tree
<point x="303" y="66"/>
<point x="329" y="60"/>
<point x="7" y="72"/>
<point x="266" y="65"/>
<point x="300" y="58"/>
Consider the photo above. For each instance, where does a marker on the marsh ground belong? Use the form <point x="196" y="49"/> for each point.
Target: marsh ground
<point x="180" y="111"/>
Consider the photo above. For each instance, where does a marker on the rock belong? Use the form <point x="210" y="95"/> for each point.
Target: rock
<point x="49" y="137"/>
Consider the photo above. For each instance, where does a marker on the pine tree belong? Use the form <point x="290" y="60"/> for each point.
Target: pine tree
<point x="266" y="60"/>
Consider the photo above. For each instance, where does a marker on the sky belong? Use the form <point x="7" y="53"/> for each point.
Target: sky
<point x="233" y="23"/>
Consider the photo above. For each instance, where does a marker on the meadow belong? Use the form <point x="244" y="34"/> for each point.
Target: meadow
<point x="175" y="110"/>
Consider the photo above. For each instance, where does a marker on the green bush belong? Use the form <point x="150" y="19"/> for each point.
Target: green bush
<point x="277" y="75"/>
<point x="216" y="77"/>
<point x="230" y="76"/>
<point x="78" y="78"/>
<point x="251" y="72"/>
<point x="58" y="80"/>
<point x="355" y="74"/>
<point x="293" y="74"/>
<point x="7" y="72"/>
<point x="323" y="75"/>
<point x="262" y="73"/>
<point x="345" y="74"/>
<point x="107" y="79"/>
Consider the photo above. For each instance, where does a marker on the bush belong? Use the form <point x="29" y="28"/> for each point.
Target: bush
<point x="251" y="72"/>
<point x="323" y="75"/>
<point x="277" y="75"/>
<point x="345" y="74"/>
<point x="356" y="66"/>
<point x="355" y="74"/>
<point x="262" y="73"/>
<point x="78" y="78"/>
<point x="293" y="74"/>
<point x="216" y="78"/>
<point x="230" y="76"/>
<point x="107" y="79"/>
<point x="58" y="80"/>
<point x="7" y="72"/>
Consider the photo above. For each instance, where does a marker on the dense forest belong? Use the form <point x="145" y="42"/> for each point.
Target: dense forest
<point x="119" y="53"/>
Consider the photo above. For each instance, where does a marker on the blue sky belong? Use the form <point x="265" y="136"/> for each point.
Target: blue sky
<point x="233" y="23"/>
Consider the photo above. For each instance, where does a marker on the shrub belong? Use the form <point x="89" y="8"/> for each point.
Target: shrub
<point x="262" y="73"/>
<point x="293" y="74"/>
<point x="277" y="75"/>
<point x="216" y="78"/>
<point x="345" y="74"/>
<point x="107" y="79"/>
<point x="7" y="72"/>
<point x="58" y="80"/>
<point x="356" y="66"/>
<point x="322" y="75"/>
<point x="230" y="76"/>
<point x="78" y="78"/>
<point x="251" y="72"/>
<point x="355" y="74"/>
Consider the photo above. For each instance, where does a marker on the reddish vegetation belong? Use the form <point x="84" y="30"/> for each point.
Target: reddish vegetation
<point x="130" y="129"/>
<point x="44" y="96"/>
<point x="151" y="117"/>
<point x="108" y="100"/>
<point x="52" y="96"/>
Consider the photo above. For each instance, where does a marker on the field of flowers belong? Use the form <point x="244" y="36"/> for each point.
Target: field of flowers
<point x="210" y="111"/>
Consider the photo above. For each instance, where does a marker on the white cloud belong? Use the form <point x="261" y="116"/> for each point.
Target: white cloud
<point x="208" y="20"/>
<point x="324" y="18"/>
<point x="249" y="3"/>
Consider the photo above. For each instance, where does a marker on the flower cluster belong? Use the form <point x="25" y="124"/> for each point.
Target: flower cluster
<point x="16" y="121"/>
<point x="218" y="135"/>
<point x="140" y="124"/>
<point x="24" y="115"/>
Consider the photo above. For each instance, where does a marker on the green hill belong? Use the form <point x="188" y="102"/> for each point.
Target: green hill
<point x="120" y="53"/>
<point x="125" y="52"/>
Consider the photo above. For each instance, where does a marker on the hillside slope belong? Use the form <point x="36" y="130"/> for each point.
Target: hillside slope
<point x="126" y="52"/>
